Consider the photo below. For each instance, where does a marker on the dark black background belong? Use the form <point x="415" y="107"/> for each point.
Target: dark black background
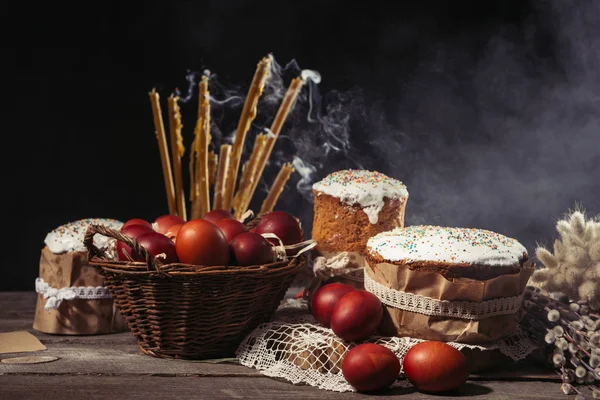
<point x="452" y="101"/>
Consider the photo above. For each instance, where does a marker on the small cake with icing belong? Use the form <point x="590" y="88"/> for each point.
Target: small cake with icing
<point x="452" y="252"/>
<point x="448" y="284"/>
<point x="71" y="297"/>
<point x="350" y="206"/>
<point x="69" y="237"/>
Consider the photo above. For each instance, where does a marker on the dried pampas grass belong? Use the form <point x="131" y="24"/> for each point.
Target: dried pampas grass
<point x="573" y="268"/>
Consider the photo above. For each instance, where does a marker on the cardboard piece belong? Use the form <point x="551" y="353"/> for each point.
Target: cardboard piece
<point x="19" y="342"/>
<point x="78" y="316"/>
<point x="398" y="322"/>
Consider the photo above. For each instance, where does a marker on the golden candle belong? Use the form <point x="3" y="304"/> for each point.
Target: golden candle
<point x="283" y="176"/>
<point x="201" y="204"/>
<point x="213" y="159"/>
<point x="177" y="151"/>
<point x="247" y="116"/>
<point x="220" y="182"/>
<point x="284" y="109"/>
<point x="241" y="200"/>
<point x="164" y="151"/>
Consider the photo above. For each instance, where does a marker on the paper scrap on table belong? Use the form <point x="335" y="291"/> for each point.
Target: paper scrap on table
<point x="18" y="342"/>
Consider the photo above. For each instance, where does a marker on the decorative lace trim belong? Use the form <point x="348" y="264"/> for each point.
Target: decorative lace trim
<point x="443" y="308"/>
<point x="56" y="296"/>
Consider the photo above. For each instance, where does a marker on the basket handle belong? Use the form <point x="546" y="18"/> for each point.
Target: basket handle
<point x="138" y="249"/>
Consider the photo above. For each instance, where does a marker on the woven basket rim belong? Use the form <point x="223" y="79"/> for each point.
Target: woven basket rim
<point x="174" y="269"/>
<point x="99" y="258"/>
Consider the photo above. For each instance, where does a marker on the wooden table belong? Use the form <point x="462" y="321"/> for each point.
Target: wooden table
<point x="111" y="367"/>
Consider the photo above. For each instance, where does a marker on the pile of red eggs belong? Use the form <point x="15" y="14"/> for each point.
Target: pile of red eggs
<point x="215" y="239"/>
<point x="354" y="315"/>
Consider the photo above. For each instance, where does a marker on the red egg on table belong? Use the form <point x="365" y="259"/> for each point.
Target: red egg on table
<point x="159" y="247"/>
<point x="324" y="300"/>
<point x="357" y="315"/>
<point x="368" y="367"/>
<point x="137" y="221"/>
<point x="250" y="248"/>
<point x="231" y="228"/>
<point x="217" y="215"/>
<point x="133" y="231"/>
<point x="200" y="242"/>
<point x="164" y="222"/>
<point x="435" y="367"/>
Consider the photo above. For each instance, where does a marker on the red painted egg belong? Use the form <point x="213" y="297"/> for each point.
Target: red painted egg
<point x="137" y="221"/>
<point x="164" y="222"/>
<point x="324" y="300"/>
<point x="172" y="232"/>
<point x="250" y="248"/>
<point x="368" y="367"/>
<point x="357" y="315"/>
<point x="217" y="215"/>
<point x="231" y="228"/>
<point x="159" y="246"/>
<point x="200" y="242"/>
<point x="435" y="367"/>
<point x="282" y="224"/>
<point x="134" y="231"/>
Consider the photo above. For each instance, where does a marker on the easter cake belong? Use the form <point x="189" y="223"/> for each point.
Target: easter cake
<point x="350" y="206"/>
<point x="454" y="253"/>
<point x="448" y="284"/>
<point x="71" y="297"/>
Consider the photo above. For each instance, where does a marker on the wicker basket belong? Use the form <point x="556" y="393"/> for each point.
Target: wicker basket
<point x="186" y="311"/>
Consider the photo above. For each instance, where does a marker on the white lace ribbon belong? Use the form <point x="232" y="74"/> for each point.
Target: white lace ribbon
<point x="56" y="296"/>
<point x="444" y="308"/>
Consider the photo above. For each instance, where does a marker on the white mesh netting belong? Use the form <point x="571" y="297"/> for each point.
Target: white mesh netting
<point x="294" y="347"/>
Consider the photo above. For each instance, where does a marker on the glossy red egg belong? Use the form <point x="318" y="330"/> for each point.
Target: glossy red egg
<point x="435" y="367"/>
<point x="159" y="246"/>
<point x="324" y="300"/>
<point x="172" y="232"/>
<point x="282" y="224"/>
<point x="250" y="248"/>
<point x="369" y="367"/>
<point x="137" y="221"/>
<point x="231" y="228"/>
<point x="217" y="215"/>
<point x="357" y="315"/>
<point x="164" y="222"/>
<point x="133" y="231"/>
<point x="200" y="242"/>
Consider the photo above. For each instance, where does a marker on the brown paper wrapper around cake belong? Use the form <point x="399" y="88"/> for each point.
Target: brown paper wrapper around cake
<point x="398" y="322"/>
<point x="78" y="316"/>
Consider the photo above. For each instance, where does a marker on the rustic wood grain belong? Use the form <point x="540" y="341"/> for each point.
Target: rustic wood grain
<point x="144" y="388"/>
<point x="119" y="359"/>
<point x="102" y="366"/>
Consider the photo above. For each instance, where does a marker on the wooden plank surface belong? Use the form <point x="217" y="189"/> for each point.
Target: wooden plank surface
<point x="104" y="365"/>
<point x="145" y="387"/>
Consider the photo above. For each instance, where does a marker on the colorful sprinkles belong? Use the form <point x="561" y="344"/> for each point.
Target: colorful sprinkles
<point x="361" y="178"/>
<point x="443" y="244"/>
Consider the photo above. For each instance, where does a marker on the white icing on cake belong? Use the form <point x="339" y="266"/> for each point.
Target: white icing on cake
<point x="69" y="237"/>
<point x="450" y="245"/>
<point x="365" y="188"/>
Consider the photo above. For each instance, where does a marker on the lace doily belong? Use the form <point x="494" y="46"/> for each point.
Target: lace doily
<point x="443" y="308"/>
<point x="56" y="296"/>
<point x="293" y="346"/>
